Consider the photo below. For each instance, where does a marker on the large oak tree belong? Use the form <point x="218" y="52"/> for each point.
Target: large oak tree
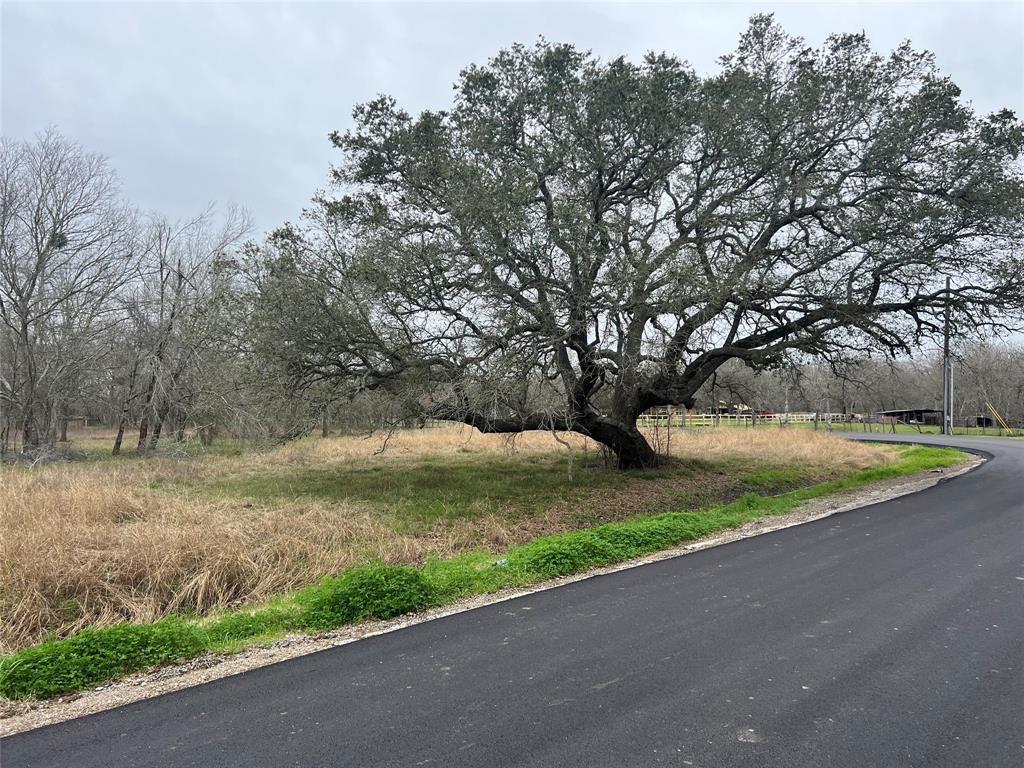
<point x="576" y="241"/>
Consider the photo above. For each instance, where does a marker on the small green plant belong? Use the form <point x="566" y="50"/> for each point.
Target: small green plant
<point x="554" y="556"/>
<point x="472" y="573"/>
<point x="375" y="591"/>
<point x="228" y="629"/>
<point x="95" y="655"/>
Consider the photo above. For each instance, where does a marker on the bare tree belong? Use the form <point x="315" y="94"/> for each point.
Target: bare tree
<point x="985" y="373"/>
<point x="172" y="312"/>
<point x="989" y="374"/>
<point x="67" y="244"/>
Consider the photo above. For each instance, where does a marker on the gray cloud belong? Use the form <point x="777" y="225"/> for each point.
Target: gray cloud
<point x="232" y="102"/>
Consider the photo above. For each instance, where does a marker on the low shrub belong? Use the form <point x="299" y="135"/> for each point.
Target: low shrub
<point x="95" y="655"/>
<point x="375" y="591"/>
<point x="646" y="536"/>
<point x="561" y="555"/>
<point x="242" y="625"/>
<point x="473" y="573"/>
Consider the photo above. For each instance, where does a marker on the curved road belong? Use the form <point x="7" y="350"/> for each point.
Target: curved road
<point x="892" y="635"/>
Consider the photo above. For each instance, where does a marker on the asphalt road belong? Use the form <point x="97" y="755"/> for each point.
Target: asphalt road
<point x="892" y="635"/>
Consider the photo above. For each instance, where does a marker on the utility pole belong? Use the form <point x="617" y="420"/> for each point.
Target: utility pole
<point x="947" y="374"/>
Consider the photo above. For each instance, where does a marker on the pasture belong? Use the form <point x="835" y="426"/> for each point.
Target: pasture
<point x="102" y="540"/>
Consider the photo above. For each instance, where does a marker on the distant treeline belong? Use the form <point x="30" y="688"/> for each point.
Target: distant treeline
<point x="983" y="373"/>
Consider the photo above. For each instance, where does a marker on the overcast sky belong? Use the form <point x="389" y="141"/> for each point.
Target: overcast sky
<point x="232" y="102"/>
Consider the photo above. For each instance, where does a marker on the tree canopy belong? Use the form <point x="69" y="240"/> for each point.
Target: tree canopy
<point x="575" y="241"/>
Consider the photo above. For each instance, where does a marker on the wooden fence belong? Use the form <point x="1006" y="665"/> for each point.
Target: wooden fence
<point x="742" y="419"/>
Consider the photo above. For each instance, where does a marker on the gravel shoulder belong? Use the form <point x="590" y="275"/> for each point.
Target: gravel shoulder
<point x="16" y="717"/>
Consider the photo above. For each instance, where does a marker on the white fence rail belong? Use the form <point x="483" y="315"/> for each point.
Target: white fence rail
<point x="741" y="419"/>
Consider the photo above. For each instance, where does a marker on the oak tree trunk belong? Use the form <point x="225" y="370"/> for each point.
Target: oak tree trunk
<point x="631" y="449"/>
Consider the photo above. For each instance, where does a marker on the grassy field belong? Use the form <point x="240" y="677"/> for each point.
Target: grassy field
<point x="923" y="429"/>
<point x="848" y="426"/>
<point x="104" y="541"/>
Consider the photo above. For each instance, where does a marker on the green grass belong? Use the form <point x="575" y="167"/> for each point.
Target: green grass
<point x="907" y="429"/>
<point x="378" y="591"/>
<point x="96" y="443"/>
<point x="95" y="655"/>
<point x="860" y="428"/>
<point x="423" y="491"/>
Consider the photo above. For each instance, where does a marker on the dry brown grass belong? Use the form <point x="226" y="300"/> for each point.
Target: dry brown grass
<point x="83" y="547"/>
<point x="95" y="542"/>
<point x="766" y="446"/>
<point x="772" y="446"/>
